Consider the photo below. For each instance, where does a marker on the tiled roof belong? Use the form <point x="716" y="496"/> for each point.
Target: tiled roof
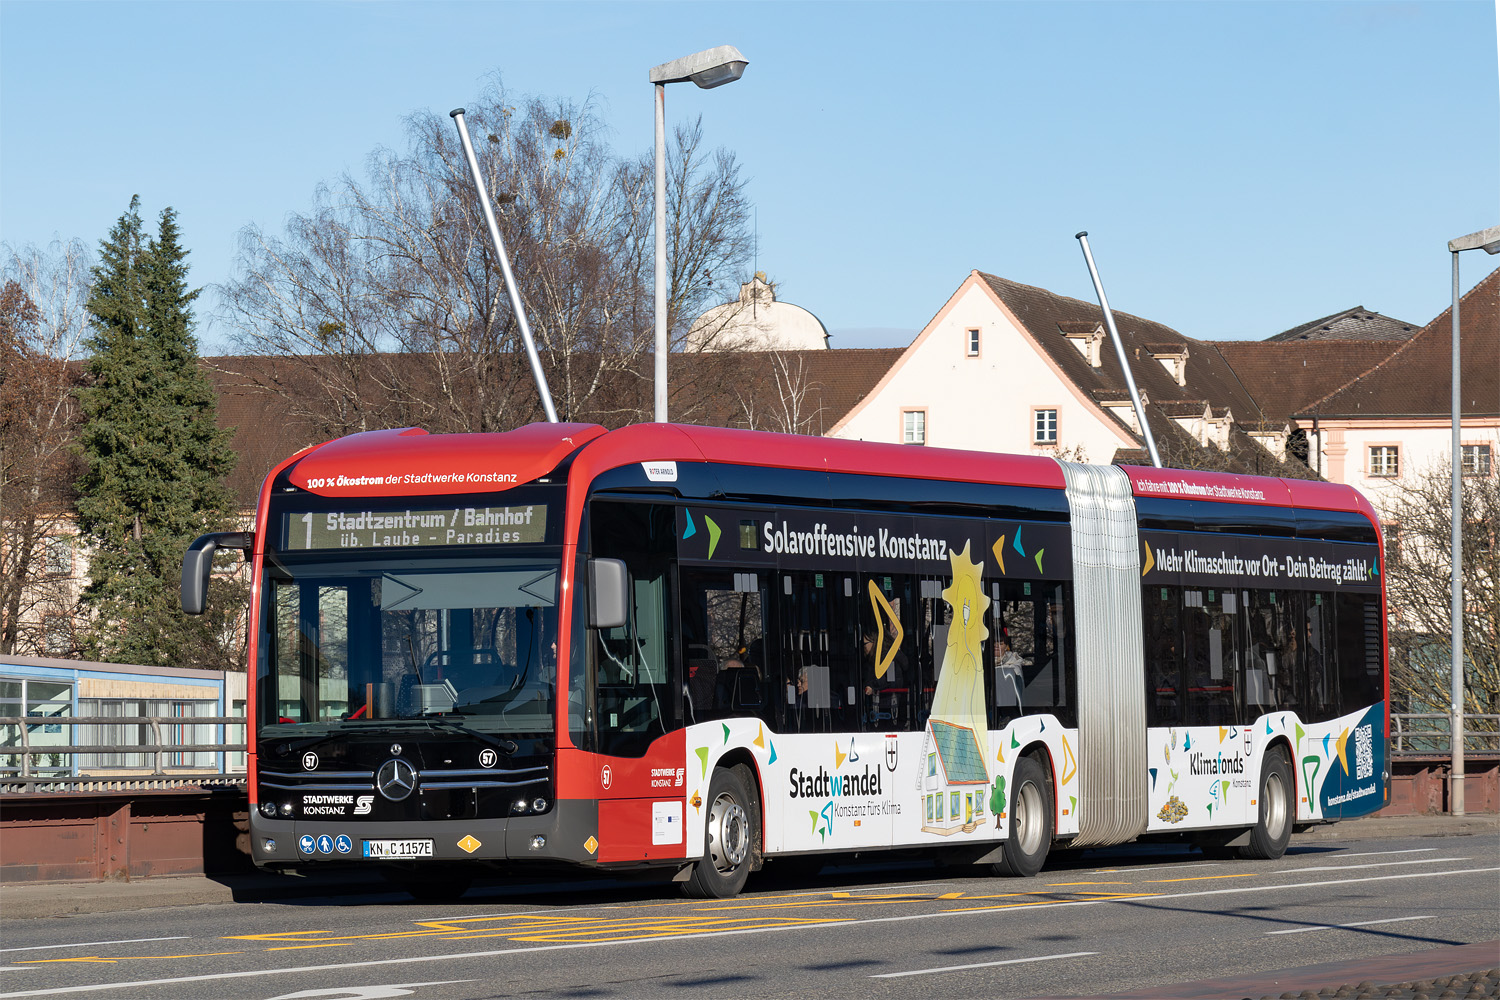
<point x="1416" y="379"/>
<point x="1358" y="323"/>
<point x="959" y="751"/>
<point x="1209" y="380"/>
<point x="278" y="407"/>
<point x="1044" y="313"/>
<point x="1284" y="376"/>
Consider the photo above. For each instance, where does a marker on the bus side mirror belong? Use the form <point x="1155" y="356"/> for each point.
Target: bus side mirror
<point x="199" y="560"/>
<point x="608" y="588"/>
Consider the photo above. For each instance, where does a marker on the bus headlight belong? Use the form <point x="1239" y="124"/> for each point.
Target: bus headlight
<point x="268" y="809"/>
<point x="286" y="809"/>
<point x="538" y="842"/>
<point x="540" y="806"/>
<point x="519" y="807"/>
<point x="269" y="845"/>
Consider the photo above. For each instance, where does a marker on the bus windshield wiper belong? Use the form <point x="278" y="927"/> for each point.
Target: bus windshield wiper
<point x="507" y="747"/>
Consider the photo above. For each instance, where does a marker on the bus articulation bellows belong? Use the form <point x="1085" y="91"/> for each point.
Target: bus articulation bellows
<point x="695" y="649"/>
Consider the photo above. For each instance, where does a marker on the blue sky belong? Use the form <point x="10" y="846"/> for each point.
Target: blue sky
<point x="1240" y="167"/>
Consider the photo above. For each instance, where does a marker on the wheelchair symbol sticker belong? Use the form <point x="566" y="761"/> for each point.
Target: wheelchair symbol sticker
<point x="343" y="844"/>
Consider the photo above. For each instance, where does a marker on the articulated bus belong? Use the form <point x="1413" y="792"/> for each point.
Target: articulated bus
<point x="694" y="650"/>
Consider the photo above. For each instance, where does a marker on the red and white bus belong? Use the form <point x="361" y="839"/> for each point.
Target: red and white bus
<point x="695" y="649"/>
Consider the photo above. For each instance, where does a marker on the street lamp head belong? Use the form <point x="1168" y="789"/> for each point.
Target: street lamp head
<point x="1487" y="240"/>
<point x="708" y="69"/>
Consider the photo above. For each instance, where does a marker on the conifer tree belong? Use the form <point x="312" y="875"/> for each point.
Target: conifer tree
<point x="155" y="455"/>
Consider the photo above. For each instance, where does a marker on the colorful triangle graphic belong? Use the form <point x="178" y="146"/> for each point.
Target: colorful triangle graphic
<point x="692" y="529"/>
<point x="702" y="753"/>
<point x="713" y="535"/>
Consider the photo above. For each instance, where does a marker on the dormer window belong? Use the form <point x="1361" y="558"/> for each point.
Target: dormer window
<point x="1173" y="357"/>
<point x="1088" y="338"/>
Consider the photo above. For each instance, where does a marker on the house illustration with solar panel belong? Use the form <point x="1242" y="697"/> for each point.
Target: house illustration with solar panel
<point x="956" y="784"/>
<point x="956" y="778"/>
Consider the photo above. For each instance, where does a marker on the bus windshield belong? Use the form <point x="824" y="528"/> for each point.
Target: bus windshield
<point x="356" y="644"/>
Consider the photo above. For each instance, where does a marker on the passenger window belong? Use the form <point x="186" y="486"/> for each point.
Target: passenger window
<point x="723" y="635"/>
<point x="637" y="697"/>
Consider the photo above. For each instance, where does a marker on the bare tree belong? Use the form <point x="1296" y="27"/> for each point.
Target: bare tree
<point x="385" y="305"/>
<point x="42" y="326"/>
<point x="786" y="402"/>
<point x="1418" y="569"/>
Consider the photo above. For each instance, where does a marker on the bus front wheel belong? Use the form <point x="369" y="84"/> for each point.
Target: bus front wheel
<point x="1031" y="822"/>
<point x="1273" y="826"/>
<point x="732" y="828"/>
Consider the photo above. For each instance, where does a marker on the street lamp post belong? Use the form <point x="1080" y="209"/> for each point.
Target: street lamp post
<point x="1487" y="240"/>
<point x="708" y="69"/>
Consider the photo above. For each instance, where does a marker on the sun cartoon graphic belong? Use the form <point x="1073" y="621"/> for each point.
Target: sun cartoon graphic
<point x="959" y="697"/>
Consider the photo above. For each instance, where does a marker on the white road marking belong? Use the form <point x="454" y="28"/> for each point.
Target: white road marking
<point x="962" y="912"/>
<point x="91" y="944"/>
<point x="366" y="992"/>
<point x="1373" y="864"/>
<point x="1381" y="854"/>
<point x="1334" y="927"/>
<point x="983" y="965"/>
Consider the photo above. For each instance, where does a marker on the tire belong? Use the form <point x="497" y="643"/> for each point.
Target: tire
<point x="731" y="838"/>
<point x="1273" y="826"/>
<point x="1031" y="822"/>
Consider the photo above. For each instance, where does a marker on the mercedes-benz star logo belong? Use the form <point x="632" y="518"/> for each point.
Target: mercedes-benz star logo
<point x="396" y="779"/>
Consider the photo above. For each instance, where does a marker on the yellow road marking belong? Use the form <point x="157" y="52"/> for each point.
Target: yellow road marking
<point x="122" y="958"/>
<point x="1199" y="878"/>
<point x="325" y="944"/>
<point x="1063" y="885"/>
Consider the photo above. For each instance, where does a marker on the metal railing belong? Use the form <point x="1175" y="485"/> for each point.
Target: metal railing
<point x="1413" y="734"/>
<point x="21" y="769"/>
<point x="1427" y="734"/>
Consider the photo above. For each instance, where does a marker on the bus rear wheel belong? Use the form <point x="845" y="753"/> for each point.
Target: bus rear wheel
<point x="1031" y="822"/>
<point x="729" y="840"/>
<point x="1273" y="826"/>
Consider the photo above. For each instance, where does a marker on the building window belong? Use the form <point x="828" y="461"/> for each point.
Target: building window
<point x="1385" y="460"/>
<point x="1476" y="459"/>
<point x="913" y="426"/>
<point x="1044" y="426"/>
<point x="972" y="345"/>
<point x="59" y="556"/>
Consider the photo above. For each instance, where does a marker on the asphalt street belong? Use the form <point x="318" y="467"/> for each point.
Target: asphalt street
<point x="1368" y="905"/>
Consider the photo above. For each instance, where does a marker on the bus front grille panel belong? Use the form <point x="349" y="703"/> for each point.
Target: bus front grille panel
<point x="1112" y="775"/>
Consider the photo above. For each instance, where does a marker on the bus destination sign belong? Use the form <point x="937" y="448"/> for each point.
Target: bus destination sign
<point x="414" y="526"/>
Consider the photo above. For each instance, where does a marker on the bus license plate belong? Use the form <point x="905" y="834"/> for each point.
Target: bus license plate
<point x="398" y="848"/>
